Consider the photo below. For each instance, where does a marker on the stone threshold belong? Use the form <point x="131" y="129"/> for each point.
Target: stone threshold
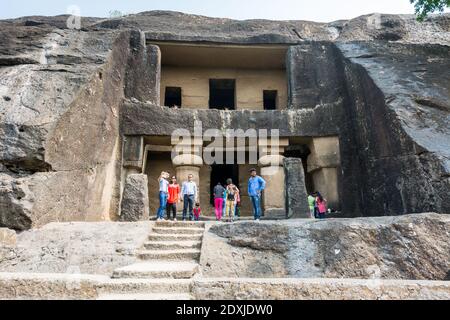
<point x="86" y="287"/>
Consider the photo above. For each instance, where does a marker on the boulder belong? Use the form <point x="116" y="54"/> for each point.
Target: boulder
<point x="296" y="194"/>
<point x="135" y="205"/>
<point x="414" y="247"/>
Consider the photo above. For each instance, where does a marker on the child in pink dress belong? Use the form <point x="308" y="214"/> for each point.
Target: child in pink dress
<point x="197" y="212"/>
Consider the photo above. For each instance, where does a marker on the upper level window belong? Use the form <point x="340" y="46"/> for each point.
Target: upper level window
<point x="222" y="94"/>
<point x="172" y="97"/>
<point x="270" y="99"/>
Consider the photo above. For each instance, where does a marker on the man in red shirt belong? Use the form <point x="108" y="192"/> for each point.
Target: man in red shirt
<point x="172" y="200"/>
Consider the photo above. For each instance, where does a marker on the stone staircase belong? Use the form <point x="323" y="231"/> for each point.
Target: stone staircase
<point x="169" y="260"/>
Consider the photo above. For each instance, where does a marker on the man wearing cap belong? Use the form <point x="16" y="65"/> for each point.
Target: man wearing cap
<point x="256" y="185"/>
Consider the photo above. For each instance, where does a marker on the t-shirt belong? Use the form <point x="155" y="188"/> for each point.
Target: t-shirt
<point x="163" y="185"/>
<point x="174" y="191"/>
<point x="311" y="202"/>
<point x="197" y="211"/>
<point x="218" y="191"/>
<point x="322" y="205"/>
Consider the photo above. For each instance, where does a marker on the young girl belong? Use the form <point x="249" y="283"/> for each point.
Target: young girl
<point x="321" y="206"/>
<point x="197" y="212"/>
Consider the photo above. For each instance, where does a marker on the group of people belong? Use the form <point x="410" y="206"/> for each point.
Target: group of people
<point x="227" y="198"/>
<point x="317" y="205"/>
<point x="170" y="194"/>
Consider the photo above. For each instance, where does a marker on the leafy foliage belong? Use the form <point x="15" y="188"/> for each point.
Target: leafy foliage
<point x="425" y="7"/>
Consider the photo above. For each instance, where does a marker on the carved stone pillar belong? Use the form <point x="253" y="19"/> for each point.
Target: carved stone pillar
<point x="271" y="164"/>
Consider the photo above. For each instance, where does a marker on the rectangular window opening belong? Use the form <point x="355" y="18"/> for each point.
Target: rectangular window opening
<point x="172" y="97"/>
<point x="270" y="99"/>
<point x="222" y="94"/>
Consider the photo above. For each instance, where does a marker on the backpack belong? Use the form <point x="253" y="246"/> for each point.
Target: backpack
<point x="230" y="194"/>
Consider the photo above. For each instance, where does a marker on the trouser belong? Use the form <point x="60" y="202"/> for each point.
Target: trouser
<point x="256" y="202"/>
<point x="188" y="201"/>
<point x="162" y="205"/>
<point x="229" y="208"/>
<point x="311" y="213"/>
<point x="172" y="207"/>
<point x="237" y="211"/>
<point x="321" y="215"/>
<point x="316" y="212"/>
<point x="218" y="206"/>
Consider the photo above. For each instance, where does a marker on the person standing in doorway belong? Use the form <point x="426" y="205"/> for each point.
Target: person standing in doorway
<point x="312" y="205"/>
<point x="189" y="194"/>
<point x="321" y="206"/>
<point x="230" y="206"/>
<point x="163" y="194"/>
<point x="218" y="200"/>
<point x="237" y="210"/>
<point x="256" y="186"/>
<point x="174" y="196"/>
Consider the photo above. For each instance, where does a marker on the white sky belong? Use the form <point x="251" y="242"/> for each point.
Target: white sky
<point x="314" y="10"/>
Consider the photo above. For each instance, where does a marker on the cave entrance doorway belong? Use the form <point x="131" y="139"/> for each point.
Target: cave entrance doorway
<point x="221" y="173"/>
<point x="222" y="94"/>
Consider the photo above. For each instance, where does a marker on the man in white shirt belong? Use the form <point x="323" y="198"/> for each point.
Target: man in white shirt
<point x="189" y="192"/>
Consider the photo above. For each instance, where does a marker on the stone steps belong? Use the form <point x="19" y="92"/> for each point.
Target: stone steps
<point x="177" y="254"/>
<point x="180" y="224"/>
<point x="175" y="237"/>
<point x="158" y="269"/>
<point x="169" y="245"/>
<point x="144" y="286"/>
<point x="147" y="296"/>
<point x="177" y="230"/>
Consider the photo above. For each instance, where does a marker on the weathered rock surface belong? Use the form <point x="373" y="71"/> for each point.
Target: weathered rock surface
<point x="319" y="289"/>
<point x="296" y="193"/>
<point x="7" y="237"/>
<point x="407" y="247"/>
<point x="135" y="206"/>
<point x="78" y="247"/>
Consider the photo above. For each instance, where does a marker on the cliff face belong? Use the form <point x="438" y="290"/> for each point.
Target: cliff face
<point x="61" y="92"/>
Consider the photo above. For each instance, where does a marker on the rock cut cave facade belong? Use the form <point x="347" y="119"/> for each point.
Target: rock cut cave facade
<point x="362" y="116"/>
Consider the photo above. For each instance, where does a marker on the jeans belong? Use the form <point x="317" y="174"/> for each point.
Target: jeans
<point x="218" y="206"/>
<point x="188" y="200"/>
<point x="256" y="202"/>
<point x="162" y="205"/>
<point x="322" y="215"/>
<point x="172" y="207"/>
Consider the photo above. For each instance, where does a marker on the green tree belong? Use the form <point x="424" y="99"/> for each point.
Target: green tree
<point x="425" y="7"/>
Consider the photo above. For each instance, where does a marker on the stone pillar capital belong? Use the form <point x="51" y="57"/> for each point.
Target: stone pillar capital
<point x="271" y="161"/>
<point x="187" y="160"/>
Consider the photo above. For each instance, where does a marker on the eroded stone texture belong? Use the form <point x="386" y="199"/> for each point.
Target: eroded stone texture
<point x="7" y="237"/>
<point x="134" y="205"/>
<point x="296" y="194"/>
<point x="77" y="247"/>
<point x="407" y="247"/>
